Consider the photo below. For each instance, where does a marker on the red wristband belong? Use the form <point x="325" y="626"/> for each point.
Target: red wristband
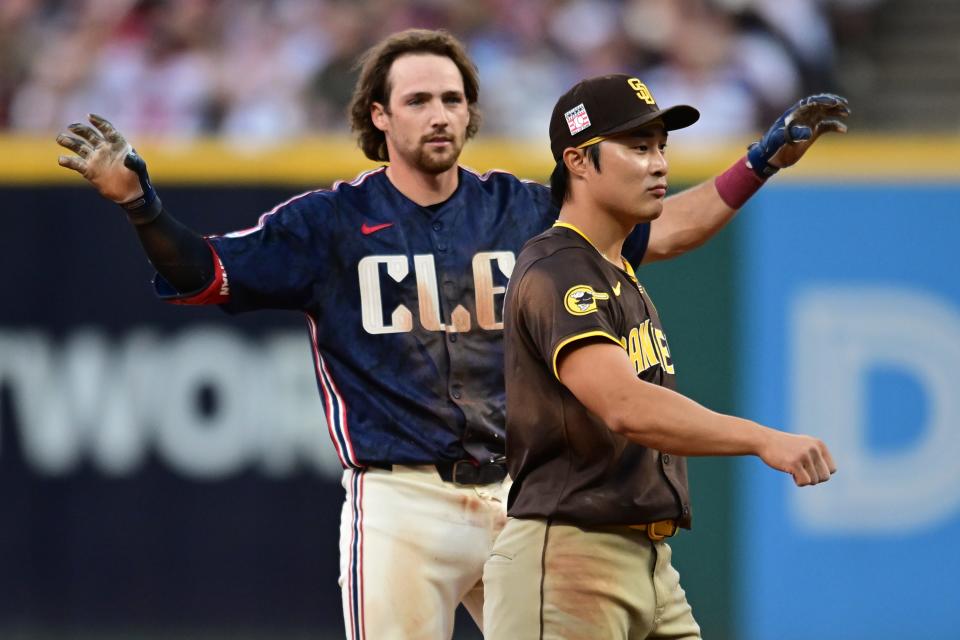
<point x="737" y="184"/>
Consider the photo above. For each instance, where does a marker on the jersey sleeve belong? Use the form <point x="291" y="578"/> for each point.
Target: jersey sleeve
<point x="565" y="298"/>
<point x="273" y="265"/>
<point x="636" y="243"/>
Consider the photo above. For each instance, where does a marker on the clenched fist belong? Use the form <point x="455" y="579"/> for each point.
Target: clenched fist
<point x="807" y="459"/>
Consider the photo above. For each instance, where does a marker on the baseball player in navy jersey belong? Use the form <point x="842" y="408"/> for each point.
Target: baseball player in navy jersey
<point x="409" y="360"/>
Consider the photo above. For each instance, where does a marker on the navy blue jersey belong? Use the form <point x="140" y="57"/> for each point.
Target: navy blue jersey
<point x="403" y="302"/>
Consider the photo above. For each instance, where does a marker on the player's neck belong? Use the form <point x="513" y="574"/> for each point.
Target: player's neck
<point x="606" y="233"/>
<point x="423" y="188"/>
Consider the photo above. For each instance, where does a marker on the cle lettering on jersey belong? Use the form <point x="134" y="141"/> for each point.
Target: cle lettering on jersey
<point x="487" y="296"/>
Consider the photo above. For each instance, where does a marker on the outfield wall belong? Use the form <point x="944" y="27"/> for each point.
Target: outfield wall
<point x="168" y="469"/>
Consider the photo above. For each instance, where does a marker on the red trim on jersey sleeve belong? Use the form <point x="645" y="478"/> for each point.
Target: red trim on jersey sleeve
<point x="217" y="292"/>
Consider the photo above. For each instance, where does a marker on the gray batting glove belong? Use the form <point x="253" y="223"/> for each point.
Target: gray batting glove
<point x="111" y="165"/>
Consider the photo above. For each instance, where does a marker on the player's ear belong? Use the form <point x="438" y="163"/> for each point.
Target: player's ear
<point x="576" y="161"/>
<point x="378" y="115"/>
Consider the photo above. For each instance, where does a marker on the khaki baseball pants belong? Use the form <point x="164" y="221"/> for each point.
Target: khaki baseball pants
<point x="546" y="580"/>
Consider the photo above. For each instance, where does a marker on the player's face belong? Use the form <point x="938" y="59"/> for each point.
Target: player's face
<point x="426" y="122"/>
<point x="632" y="181"/>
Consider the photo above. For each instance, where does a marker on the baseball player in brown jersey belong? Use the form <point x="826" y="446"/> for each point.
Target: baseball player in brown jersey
<point x="596" y="432"/>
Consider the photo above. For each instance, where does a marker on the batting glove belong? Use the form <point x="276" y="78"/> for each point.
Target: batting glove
<point x="110" y="164"/>
<point x="794" y="131"/>
<point x="147" y="207"/>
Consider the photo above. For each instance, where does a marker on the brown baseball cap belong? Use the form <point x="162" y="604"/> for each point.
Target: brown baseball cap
<point x="604" y="106"/>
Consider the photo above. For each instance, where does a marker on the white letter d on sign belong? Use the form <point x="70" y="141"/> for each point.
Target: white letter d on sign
<point x="838" y="335"/>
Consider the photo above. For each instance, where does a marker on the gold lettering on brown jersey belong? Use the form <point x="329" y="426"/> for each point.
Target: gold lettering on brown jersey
<point x="665" y="360"/>
<point x="647" y="347"/>
<point x="635" y="352"/>
<point x="646" y="341"/>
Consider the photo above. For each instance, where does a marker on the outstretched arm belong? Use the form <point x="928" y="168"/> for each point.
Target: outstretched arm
<point x="111" y="165"/>
<point x="601" y="376"/>
<point x="692" y="217"/>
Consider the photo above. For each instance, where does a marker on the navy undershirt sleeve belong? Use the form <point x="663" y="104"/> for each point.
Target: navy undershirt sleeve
<point x="178" y="253"/>
<point x="636" y="243"/>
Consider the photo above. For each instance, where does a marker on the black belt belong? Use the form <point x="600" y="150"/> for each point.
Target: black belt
<point x="469" y="472"/>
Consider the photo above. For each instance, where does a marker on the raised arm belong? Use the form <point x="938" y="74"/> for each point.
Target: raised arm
<point x="601" y="376"/>
<point x="111" y="165"/>
<point x="692" y="217"/>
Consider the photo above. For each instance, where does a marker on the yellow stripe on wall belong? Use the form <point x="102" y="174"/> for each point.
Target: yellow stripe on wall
<point x="320" y="161"/>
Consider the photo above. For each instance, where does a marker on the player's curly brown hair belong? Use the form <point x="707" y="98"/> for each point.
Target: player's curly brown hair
<point x="373" y="84"/>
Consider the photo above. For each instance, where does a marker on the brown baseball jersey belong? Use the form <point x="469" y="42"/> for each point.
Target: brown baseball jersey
<point x="565" y="462"/>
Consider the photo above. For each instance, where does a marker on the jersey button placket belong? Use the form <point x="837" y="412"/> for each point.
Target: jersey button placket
<point x="448" y="297"/>
<point x="437" y="228"/>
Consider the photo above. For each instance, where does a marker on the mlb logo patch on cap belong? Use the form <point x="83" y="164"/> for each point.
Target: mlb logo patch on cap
<point x="577" y="119"/>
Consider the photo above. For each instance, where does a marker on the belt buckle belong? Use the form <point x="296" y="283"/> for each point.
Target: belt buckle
<point x="657" y="533"/>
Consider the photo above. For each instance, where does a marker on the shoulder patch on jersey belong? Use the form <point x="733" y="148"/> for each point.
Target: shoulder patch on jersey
<point x="581" y="299"/>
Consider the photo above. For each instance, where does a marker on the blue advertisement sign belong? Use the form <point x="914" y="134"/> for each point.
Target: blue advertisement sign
<point x="851" y="333"/>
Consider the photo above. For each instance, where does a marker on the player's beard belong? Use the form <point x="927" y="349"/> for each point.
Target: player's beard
<point x="435" y="163"/>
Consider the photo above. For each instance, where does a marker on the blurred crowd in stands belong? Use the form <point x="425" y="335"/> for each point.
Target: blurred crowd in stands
<point x="275" y="69"/>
